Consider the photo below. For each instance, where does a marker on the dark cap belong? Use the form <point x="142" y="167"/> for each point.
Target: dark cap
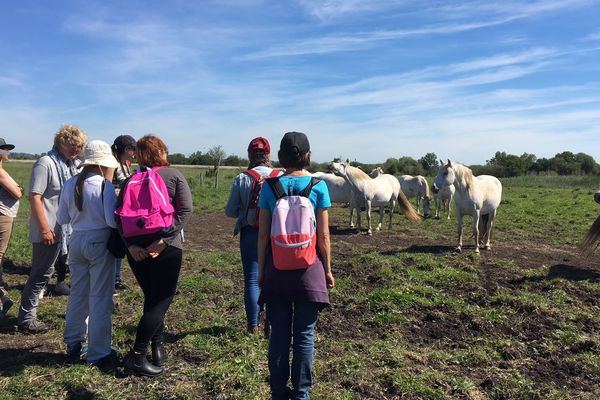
<point x="124" y="141"/>
<point x="259" y="145"/>
<point x="295" y="142"/>
<point x="6" y="146"/>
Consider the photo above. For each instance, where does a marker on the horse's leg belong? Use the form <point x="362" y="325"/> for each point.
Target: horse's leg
<point x="352" y="206"/>
<point x="437" y="206"/>
<point x="358" y="217"/>
<point x="368" y="211"/>
<point x="417" y="198"/>
<point x="488" y="234"/>
<point x="392" y="207"/>
<point x="459" y="231"/>
<point x="476" y="217"/>
<point x="448" y="207"/>
<point x="381" y="215"/>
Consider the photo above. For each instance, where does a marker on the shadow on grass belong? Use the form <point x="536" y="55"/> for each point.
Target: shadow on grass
<point x="13" y="361"/>
<point x="79" y="393"/>
<point x="338" y="231"/>
<point x="564" y="271"/>
<point x="11" y="268"/>
<point x="430" y="249"/>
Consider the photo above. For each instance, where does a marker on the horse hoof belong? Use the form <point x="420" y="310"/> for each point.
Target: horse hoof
<point x="488" y="247"/>
<point x="370" y="233"/>
<point x="458" y="250"/>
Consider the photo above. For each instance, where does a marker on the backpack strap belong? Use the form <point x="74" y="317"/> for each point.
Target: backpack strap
<point x="276" y="187"/>
<point x="308" y="189"/>
<point x="253" y="174"/>
<point x="274" y="173"/>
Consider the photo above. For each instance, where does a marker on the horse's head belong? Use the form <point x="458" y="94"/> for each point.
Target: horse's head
<point x="337" y="168"/>
<point x="376" y="172"/>
<point x="426" y="205"/>
<point x="445" y="177"/>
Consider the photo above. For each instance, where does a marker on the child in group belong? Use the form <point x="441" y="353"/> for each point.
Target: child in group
<point x="294" y="273"/>
<point x="88" y="202"/>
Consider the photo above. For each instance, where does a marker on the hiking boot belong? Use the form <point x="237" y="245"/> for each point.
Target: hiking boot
<point x="62" y="288"/>
<point x="6" y="305"/>
<point x="136" y="362"/>
<point x="121" y="286"/>
<point x="159" y="355"/>
<point x="74" y="353"/>
<point x="33" y="327"/>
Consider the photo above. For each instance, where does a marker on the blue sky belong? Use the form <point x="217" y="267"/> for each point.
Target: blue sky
<point x="366" y="80"/>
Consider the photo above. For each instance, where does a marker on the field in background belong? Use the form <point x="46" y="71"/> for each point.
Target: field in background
<point x="411" y="319"/>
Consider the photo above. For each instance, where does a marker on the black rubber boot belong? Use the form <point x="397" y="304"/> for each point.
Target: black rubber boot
<point x="136" y="362"/>
<point x="159" y="355"/>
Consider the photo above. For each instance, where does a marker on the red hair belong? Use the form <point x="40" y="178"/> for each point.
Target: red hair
<point x="151" y="151"/>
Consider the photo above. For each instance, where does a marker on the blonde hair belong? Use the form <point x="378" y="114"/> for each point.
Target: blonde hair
<point x="70" y="134"/>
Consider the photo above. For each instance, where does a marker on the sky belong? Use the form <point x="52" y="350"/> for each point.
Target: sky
<point x="365" y="80"/>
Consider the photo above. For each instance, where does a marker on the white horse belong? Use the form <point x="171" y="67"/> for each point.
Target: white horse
<point x="478" y="196"/>
<point x="416" y="186"/>
<point x="375" y="192"/>
<point x="375" y="172"/>
<point x="340" y="191"/>
<point x="443" y="199"/>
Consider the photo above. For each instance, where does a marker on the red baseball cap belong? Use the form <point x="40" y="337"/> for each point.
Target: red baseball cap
<point x="259" y="145"/>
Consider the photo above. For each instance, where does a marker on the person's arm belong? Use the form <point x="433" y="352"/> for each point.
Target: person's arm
<point x="232" y="209"/>
<point x="264" y="233"/>
<point x="37" y="212"/>
<point x="9" y="184"/>
<point x="597" y="196"/>
<point x="324" y="244"/>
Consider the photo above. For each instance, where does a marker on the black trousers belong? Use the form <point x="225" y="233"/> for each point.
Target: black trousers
<point x="158" y="279"/>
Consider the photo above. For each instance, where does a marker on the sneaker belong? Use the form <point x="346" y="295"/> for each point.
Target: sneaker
<point x="62" y="288"/>
<point x="42" y="293"/>
<point x="6" y="305"/>
<point x="120" y="285"/>
<point x="74" y="353"/>
<point x="33" y="327"/>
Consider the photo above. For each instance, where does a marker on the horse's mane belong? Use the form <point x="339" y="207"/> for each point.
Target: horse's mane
<point x="591" y="241"/>
<point x="356" y="173"/>
<point x="427" y="192"/>
<point x="464" y="174"/>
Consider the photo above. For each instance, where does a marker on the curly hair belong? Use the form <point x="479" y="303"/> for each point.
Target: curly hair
<point x="72" y="135"/>
<point x="151" y="152"/>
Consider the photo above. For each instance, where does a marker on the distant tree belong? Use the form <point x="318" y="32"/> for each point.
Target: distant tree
<point x="216" y="155"/>
<point x="565" y="163"/>
<point x="235" y="161"/>
<point x="429" y="162"/>
<point x="587" y="163"/>
<point x="409" y="166"/>
<point x="178" y="159"/>
<point x="390" y="166"/>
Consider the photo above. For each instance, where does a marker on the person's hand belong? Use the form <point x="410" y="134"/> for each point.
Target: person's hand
<point x="48" y="237"/>
<point x="138" y="253"/>
<point x="597" y="197"/>
<point x="330" y="280"/>
<point x="156" y="248"/>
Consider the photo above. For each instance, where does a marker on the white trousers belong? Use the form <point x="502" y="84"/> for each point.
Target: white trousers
<point x="92" y="285"/>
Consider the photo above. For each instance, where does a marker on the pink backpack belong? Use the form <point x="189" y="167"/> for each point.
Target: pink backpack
<point x="252" y="213"/>
<point x="146" y="207"/>
<point x="293" y="228"/>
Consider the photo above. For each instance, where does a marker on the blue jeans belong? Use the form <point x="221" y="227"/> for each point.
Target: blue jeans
<point x="289" y="320"/>
<point x="248" y="250"/>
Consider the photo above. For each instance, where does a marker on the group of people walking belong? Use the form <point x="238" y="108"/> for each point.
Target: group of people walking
<point x="77" y="197"/>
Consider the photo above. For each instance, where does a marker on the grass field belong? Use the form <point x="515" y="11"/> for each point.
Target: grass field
<point x="410" y="318"/>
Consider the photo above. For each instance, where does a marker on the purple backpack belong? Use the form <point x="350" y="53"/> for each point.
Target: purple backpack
<point x="146" y="207"/>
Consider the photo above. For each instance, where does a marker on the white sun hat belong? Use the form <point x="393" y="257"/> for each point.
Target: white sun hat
<point x="98" y="152"/>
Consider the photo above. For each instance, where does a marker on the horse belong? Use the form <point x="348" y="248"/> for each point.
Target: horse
<point x="340" y="191"/>
<point x="416" y="186"/>
<point x="591" y="241"/>
<point x="443" y="198"/>
<point x="478" y="196"/>
<point x="375" y="172"/>
<point x="376" y="192"/>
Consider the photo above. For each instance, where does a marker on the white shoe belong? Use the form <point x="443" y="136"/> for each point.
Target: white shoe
<point x="42" y="292"/>
<point x="62" y="288"/>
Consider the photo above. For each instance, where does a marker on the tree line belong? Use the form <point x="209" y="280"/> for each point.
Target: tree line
<point x="501" y="164"/>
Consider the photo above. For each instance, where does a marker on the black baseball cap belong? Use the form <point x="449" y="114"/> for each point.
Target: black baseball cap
<point x="124" y="141"/>
<point x="6" y="146"/>
<point x="295" y="142"/>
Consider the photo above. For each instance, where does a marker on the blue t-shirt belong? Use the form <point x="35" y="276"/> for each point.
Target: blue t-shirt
<point x="319" y="196"/>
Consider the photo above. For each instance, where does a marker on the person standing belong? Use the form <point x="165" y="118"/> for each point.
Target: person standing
<point x="295" y="289"/>
<point x="10" y="193"/>
<point x="87" y="203"/>
<point x="243" y="205"/>
<point x="156" y="259"/>
<point x="123" y="149"/>
<point x="48" y="237"/>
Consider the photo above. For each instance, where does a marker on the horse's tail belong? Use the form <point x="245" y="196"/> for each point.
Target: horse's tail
<point x="591" y="241"/>
<point x="407" y="209"/>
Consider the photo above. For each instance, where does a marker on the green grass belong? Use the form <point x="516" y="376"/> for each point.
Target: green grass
<point x="411" y="321"/>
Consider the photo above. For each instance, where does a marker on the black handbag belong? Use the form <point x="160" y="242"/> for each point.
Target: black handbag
<point x="115" y="244"/>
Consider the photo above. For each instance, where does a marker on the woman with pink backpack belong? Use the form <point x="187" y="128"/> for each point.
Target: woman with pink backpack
<point x="152" y="210"/>
<point x="294" y="259"/>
